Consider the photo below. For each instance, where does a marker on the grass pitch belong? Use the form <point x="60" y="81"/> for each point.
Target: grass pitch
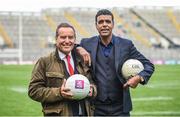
<point x="160" y="97"/>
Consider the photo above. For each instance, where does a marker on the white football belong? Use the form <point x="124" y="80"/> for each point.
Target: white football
<point x="131" y="68"/>
<point x="79" y="86"/>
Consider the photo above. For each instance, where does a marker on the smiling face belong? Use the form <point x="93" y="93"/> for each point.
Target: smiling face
<point x="104" y="25"/>
<point x="65" y="40"/>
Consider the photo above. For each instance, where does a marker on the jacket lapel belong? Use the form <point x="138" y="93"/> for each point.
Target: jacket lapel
<point x="94" y="51"/>
<point x="117" y="55"/>
<point x="117" y="52"/>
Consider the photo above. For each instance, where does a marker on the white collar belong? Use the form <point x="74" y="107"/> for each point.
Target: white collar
<point x="62" y="56"/>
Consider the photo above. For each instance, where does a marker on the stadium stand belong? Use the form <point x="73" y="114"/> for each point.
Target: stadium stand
<point x="155" y="31"/>
<point x="161" y="21"/>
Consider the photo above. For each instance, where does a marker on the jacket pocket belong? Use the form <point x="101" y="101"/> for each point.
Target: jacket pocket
<point x="54" y="74"/>
<point x="49" y="112"/>
<point x="54" y="79"/>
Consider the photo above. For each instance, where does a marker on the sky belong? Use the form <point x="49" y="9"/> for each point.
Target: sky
<point x="38" y="5"/>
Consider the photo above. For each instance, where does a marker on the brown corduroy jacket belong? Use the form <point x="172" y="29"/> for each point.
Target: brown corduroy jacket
<point x="47" y="77"/>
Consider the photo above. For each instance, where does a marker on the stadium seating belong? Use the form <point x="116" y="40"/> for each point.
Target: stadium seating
<point x="154" y="30"/>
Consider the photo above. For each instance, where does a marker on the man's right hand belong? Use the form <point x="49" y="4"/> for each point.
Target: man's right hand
<point x="85" y="55"/>
<point x="65" y="92"/>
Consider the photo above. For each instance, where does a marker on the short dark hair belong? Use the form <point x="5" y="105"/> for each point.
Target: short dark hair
<point x="64" y="25"/>
<point x="104" y="12"/>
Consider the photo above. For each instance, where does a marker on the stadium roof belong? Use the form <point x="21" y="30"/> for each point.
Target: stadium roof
<point x="38" y="5"/>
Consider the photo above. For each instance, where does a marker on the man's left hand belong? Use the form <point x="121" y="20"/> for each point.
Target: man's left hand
<point x="133" y="82"/>
<point x="91" y="91"/>
<point x="85" y="55"/>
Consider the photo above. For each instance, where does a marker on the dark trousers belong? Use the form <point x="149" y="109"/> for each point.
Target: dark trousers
<point x="75" y="108"/>
<point x="109" y="109"/>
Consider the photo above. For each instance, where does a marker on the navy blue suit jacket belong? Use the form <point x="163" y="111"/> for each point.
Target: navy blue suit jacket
<point x="124" y="50"/>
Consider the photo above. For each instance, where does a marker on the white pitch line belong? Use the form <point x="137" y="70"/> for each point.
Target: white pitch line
<point x="157" y="113"/>
<point x="165" y="85"/>
<point x="152" y="98"/>
<point x="19" y="89"/>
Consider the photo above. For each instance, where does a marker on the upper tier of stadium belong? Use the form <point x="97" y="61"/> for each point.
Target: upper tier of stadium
<point x="25" y="36"/>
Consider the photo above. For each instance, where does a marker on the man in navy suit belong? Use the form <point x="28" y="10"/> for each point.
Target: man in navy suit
<point x="108" y="53"/>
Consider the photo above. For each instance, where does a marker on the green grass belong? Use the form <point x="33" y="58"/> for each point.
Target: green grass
<point x="160" y="97"/>
<point x="13" y="102"/>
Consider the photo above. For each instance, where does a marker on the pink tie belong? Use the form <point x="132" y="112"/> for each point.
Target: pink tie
<point x="71" y="71"/>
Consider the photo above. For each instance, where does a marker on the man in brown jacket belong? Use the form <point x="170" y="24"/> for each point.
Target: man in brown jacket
<point x="49" y="77"/>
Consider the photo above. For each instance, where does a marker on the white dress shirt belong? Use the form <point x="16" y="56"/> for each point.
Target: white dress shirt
<point x="62" y="56"/>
